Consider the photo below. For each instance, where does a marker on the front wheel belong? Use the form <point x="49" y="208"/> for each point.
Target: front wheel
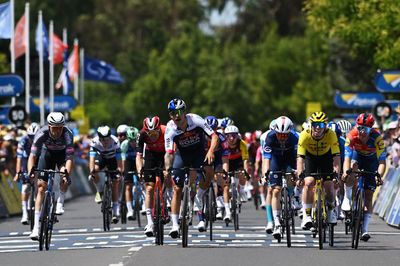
<point x="44" y="216"/>
<point x="185" y="217"/>
<point x="320" y="225"/>
<point x="286" y="215"/>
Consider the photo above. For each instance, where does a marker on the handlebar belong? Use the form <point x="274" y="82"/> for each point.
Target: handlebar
<point x="241" y="171"/>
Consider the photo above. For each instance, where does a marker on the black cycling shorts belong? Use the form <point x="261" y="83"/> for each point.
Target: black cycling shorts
<point x="319" y="164"/>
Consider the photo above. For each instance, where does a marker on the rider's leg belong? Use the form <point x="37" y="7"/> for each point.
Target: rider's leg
<point x="276" y="204"/>
<point x="149" y="201"/>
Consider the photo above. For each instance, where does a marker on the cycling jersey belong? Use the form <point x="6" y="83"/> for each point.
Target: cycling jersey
<point x="188" y="141"/>
<point x="308" y="145"/>
<point x="373" y="147"/>
<point x="239" y="151"/>
<point x="24" y="147"/>
<point x="151" y="145"/>
<point x="112" y="150"/>
<point x="128" y="152"/>
<point x="63" y="143"/>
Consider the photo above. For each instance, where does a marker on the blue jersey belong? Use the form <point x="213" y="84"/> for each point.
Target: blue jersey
<point x="342" y="141"/>
<point x="272" y="147"/>
<point x="24" y="147"/>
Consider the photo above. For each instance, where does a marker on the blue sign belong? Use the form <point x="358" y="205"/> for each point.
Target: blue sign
<point x="62" y="103"/>
<point x="11" y="85"/>
<point x="387" y="80"/>
<point x="4" y="115"/>
<point x="352" y="100"/>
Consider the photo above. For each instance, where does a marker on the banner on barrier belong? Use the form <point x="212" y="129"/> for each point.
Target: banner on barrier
<point x="10" y="195"/>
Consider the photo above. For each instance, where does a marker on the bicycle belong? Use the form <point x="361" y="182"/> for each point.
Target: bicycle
<point x="160" y="210"/>
<point x="210" y="206"/>
<point x="320" y="213"/>
<point x="186" y="212"/>
<point x="137" y="199"/>
<point x="48" y="209"/>
<point x="288" y="213"/>
<point x="235" y="200"/>
<point x="358" y="205"/>
<point x="31" y="202"/>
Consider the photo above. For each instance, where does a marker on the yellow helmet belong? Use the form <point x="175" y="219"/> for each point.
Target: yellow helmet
<point x="318" y="117"/>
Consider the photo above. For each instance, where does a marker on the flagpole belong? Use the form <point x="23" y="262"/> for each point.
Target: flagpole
<point x="27" y="62"/>
<point x="76" y="80"/>
<point x="51" y="66"/>
<point x="65" y="40"/>
<point x="82" y="78"/>
<point x="12" y="45"/>
<point x="41" y="75"/>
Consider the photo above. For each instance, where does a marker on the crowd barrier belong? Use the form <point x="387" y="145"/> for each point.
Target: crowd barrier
<point x="387" y="203"/>
<point x="10" y="195"/>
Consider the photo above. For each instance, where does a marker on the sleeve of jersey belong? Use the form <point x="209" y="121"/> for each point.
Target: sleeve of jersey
<point x="380" y="149"/>
<point x="20" y="149"/>
<point x="266" y="149"/>
<point x="140" y="146"/>
<point x="92" y="151"/>
<point x="301" y="150"/>
<point x="245" y="152"/>
<point x="348" y="150"/>
<point x="118" y="154"/>
<point x="37" y="144"/>
<point x="199" y="121"/>
<point x="124" y="149"/>
<point x="169" y="142"/>
<point x="69" y="149"/>
<point x="335" y="148"/>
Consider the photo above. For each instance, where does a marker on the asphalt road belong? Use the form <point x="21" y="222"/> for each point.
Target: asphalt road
<point x="78" y="239"/>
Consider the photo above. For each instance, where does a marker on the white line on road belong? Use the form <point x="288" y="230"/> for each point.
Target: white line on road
<point x="93" y="243"/>
<point x="101" y="237"/>
<point x="63" y="231"/>
<point x="17" y="250"/>
<point x="20" y="246"/>
<point x="84" y="247"/>
<point x="135" y="248"/>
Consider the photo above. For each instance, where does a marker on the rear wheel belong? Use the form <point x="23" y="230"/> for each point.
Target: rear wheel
<point x="31" y="211"/>
<point x="138" y="205"/>
<point x="124" y="209"/>
<point x="331" y="233"/>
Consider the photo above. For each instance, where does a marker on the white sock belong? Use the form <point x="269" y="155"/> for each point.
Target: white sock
<point x="277" y="216"/>
<point x="174" y="218"/>
<point x="149" y="216"/>
<point x="262" y="198"/>
<point x="348" y="191"/>
<point x="36" y="223"/>
<point x="61" y="197"/>
<point x="220" y="202"/>
<point x="367" y="218"/>
<point x="129" y="206"/>
<point x="305" y="207"/>
<point x="24" y="207"/>
<point x="227" y="208"/>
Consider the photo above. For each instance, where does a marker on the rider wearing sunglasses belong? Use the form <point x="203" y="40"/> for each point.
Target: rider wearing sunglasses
<point x="364" y="149"/>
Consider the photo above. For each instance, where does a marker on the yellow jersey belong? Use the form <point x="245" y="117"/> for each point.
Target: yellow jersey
<point x="308" y="145"/>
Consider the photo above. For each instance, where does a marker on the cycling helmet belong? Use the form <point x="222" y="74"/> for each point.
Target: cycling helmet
<point x="103" y="131"/>
<point x="318" y="117"/>
<point x="231" y="129"/>
<point x="56" y="119"/>
<point x="212" y="121"/>
<point x="305" y="126"/>
<point x="132" y="133"/>
<point x="345" y="126"/>
<point x="335" y="128"/>
<point x="283" y="125"/>
<point x="151" y="123"/>
<point x="365" y="119"/>
<point x="176" y="104"/>
<point x="122" y="129"/>
<point x="32" y="129"/>
<point x="226" y="121"/>
<point x="272" y="124"/>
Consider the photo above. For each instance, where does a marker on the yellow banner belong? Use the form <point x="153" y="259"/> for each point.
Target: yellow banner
<point x="10" y="195"/>
<point x="312" y="107"/>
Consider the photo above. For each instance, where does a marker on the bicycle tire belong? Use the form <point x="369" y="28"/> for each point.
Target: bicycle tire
<point x="157" y="217"/>
<point x="124" y="209"/>
<point x="286" y="216"/>
<point x="293" y="222"/>
<point x="106" y="207"/>
<point x="184" y="224"/>
<point x="319" y="220"/>
<point x="137" y="208"/>
<point x="359" y="220"/>
<point x="43" y="220"/>
<point x="256" y="195"/>
<point x="50" y="222"/>
<point x="331" y="234"/>
<point x="235" y="209"/>
<point x="211" y="209"/>
<point x="31" y="211"/>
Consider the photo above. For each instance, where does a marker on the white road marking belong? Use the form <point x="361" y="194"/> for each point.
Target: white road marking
<point x="135" y="248"/>
<point x="101" y="237"/>
<point x="93" y="243"/>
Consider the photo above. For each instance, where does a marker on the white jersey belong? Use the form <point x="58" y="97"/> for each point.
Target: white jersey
<point x="108" y="152"/>
<point x="190" y="139"/>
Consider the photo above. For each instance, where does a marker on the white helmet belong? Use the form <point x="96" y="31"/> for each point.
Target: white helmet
<point x="56" y="119"/>
<point x="283" y="124"/>
<point x="121" y="129"/>
<point x="231" y="129"/>
<point x="103" y="131"/>
<point x="32" y="129"/>
<point x="272" y="124"/>
<point x="345" y="126"/>
<point x="305" y="125"/>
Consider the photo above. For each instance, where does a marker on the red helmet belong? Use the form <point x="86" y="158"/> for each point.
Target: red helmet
<point x="365" y="119"/>
<point x="151" y="123"/>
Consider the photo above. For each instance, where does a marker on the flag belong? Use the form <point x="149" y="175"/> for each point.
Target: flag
<point x="59" y="47"/>
<point x="64" y="82"/>
<point x="19" y="37"/>
<point x="45" y="40"/>
<point x="5" y="21"/>
<point x="101" y="71"/>
<point x="73" y="63"/>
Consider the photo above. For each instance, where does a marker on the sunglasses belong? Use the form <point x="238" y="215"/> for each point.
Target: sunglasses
<point x="122" y="135"/>
<point x="175" y="112"/>
<point x="282" y="136"/>
<point x="364" y="129"/>
<point x="318" y="124"/>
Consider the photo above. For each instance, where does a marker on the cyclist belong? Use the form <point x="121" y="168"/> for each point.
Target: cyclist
<point x="187" y="132"/>
<point x="151" y="148"/>
<point x="128" y="156"/>
<point x="23" y="151"/>
<point x="121" y="132"/>
<point x="318" y="149"/>
<point x="364" y="150"/>
<point x="105" y="152"/>
<point x="226" y="121"/>
<point x="280" y="148"/>
<point x="54" y="146"/>
<point x="237" y="155"/>
<point x="344" y="126"/>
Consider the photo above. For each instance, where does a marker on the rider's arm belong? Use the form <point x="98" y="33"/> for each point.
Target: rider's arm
<point x="382" y="168"/>
<point x="225" y="164"/>
<point x="91" y="164"/>
<point x="17" y="168"/>
<point x="68" y="165"/>
<point x="31" y="162"/>
<point x="139" y="162"/>
<point x="300" y="165"/>
<point x="336" y="164"/>
<point x="168" y="159"/>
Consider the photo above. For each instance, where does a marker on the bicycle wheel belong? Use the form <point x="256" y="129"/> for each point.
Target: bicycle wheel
<point x="331" y="234"/>
<point x="286" y="216"/>
<point x="50" y="222"/>
<point x="256" y="195"/>
<point x="106" y="207"/>
<point x="138" y="205"/>
<point x="31" y="211"/>
<point x="157" y="217"/>
<point x="124" y="209"/>
<point x="211" y="209"/>
<point x="234" y="204"/>
<point x="43" y="220"/>
<point x="292" y="213"/>
<point x="319" y="220"/>
<point x="359" y="218"/>
<point x="185" y="216"/>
